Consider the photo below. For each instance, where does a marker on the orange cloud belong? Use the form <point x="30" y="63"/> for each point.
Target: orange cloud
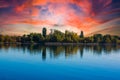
<point x="39" y="2"/>
<point x="20" y="8"/>
<point x="35" y="12"/>
<point x="36" y="22"/>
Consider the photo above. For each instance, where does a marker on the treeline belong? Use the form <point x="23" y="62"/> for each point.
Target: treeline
<point x="58" y="36"/>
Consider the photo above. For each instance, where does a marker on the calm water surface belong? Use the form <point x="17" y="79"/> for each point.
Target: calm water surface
<point x="35" y="62"/>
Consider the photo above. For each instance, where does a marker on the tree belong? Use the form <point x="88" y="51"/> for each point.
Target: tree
<point x="30" y="37"/>
<point x="44" y="32"/>
<point x="2" y="38"/>
<point x="37" y="37"/>
<point x="57" y="36"/>
<point x="71" y="37"/>
<point x="68" y="36"/>
<point x="107" y="39"/>
<point x="24" y="38"/>
<point x="98" y="38"/>
<point x="81" y="34"/>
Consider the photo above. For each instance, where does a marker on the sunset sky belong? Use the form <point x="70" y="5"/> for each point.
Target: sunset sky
<point x="19" y="17"/>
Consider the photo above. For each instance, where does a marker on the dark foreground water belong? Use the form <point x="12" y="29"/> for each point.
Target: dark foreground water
<point x="34" y="62"/>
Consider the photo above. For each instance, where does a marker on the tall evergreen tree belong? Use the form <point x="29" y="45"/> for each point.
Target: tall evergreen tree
<point x="81" y="34"/>
<point x="44" y="32"/>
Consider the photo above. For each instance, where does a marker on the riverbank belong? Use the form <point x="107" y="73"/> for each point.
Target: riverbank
<point x="59" y="43"/>
<point x="62" y="43"/>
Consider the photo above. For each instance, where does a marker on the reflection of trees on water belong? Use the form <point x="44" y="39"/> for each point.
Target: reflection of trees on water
<point x="57" y="51"/>
<point x="81" y="50"/>
<point x="99" y="49"/>
<point x="44" y="53"/>
<point x="70" y="50"/>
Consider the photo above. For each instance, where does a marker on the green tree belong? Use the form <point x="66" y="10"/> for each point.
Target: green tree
<point x="82" y="34"/>
<point x="71" y="37"/>
<point x="107" y="39"/>
<point x="1" y="38"/>
<point x="57" y="36"/>
<point x="68" y="36"/>
<point x="24" y="38"/>
<point x="44" y="32"/>
<point x="30" y="38"/>
<point x="98" y="38"/>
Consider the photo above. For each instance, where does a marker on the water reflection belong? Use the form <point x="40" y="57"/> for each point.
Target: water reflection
<point x="56" y="51"/>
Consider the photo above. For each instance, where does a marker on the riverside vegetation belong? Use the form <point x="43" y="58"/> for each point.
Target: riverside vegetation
<point x="58" y="36"/>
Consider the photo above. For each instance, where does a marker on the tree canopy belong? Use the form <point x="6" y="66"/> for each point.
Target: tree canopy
<point x="58" y="36"/>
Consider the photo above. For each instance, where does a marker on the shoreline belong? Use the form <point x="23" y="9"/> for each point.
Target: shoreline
<point x="58" y="43"/>
<point x="61" y="43"/>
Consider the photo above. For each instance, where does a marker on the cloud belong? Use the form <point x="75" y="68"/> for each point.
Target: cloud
<point x="4" y="4"/>
<point x="80" y="14"/>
